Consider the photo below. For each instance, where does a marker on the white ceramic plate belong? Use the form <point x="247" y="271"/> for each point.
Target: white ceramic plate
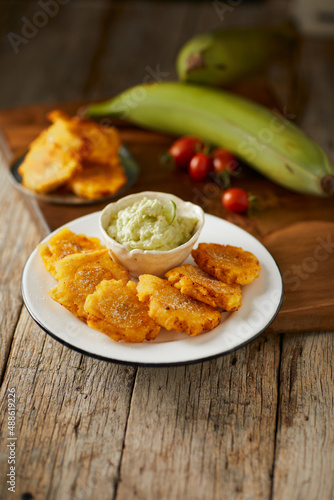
<point x="261" y="302"/>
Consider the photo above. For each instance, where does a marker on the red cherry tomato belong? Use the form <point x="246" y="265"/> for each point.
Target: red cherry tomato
<point x="183" y="150"/>
<point x="223" y="160"/>
<point x="236" y="200"/>
<point x="199" y="167"/>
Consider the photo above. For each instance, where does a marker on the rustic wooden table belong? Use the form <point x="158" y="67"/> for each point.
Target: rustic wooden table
<point x="255" y="424"/>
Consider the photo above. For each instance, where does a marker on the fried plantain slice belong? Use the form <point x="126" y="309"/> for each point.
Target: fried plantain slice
<point x="227" y="263"/>
<point x="102" y="143"/>
<point x="64" y="243"/>
<point x="98" y="180"/>
<point x="78" y="149"/>
<point x="174" y="310"/>
<point x="61" y="132"/>
<point x="53" y="157"/>
<point x="48" y="167"/>
<point x="195" y="283"/>
<point x="114" y="309"/>
<point x="78" y="276"/>
<point x="57" y="115"/>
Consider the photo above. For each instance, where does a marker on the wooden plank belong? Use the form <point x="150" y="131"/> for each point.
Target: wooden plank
<point x="306" y="269"/>
<point x="304" y="459"/>
<point x="56" y="379"/>
<point x="148" y="54"/>
<point x="319" y="116"/>
<point x="304" y="455"/>
<point x="204" y="430"/>
<point x="70" y="419"/>
<point x="56" y="60"/>
<point x="93" y="42"/>
<point x="18" y="236"/>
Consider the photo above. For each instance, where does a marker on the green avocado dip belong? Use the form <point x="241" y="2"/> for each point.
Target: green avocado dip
<point x="150" y="225"/>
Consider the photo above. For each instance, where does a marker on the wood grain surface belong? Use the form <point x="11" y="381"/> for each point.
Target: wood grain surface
<point x="255" y="424"/>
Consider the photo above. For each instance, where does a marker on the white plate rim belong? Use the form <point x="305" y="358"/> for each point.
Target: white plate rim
<point x="116" y="360"/>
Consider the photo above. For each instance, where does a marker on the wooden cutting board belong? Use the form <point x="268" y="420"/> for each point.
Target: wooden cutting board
<point x="298" y="230"/>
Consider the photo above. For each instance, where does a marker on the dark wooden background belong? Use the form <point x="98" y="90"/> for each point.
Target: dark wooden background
<point x="256" y="424"/>
<point x="94" y="49"/>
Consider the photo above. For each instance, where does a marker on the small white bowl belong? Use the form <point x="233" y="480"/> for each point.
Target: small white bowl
<point x="150" y="261"/>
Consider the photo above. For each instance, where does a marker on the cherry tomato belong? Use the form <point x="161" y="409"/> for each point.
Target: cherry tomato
<point x="199" y="166"/>
<point x="183" y="150"/>
<point x="223" y="160"/>
<point x="236" y="200"/>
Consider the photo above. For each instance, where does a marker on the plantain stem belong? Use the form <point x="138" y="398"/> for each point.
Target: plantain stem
<point x="194" y="61"/>
<point x="327" y="184"/>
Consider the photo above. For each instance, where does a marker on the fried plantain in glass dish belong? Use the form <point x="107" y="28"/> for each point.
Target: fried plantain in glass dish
<point x="74" y="154"/>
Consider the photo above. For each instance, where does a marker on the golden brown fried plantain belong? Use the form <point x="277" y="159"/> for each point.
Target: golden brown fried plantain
<point x="101" y="143"/>
<point x="227" y="263"/>
<point x="174" y="310"/>
<point x="77" y="153"/>
<point x="53" y="157"/>
<point x="78" y="276"/>
<point x="48" y="167"/>
<point x="56" y="115"/>
<point x="62" y="133"/>
<point x="114" y="309"/>
<point x="195" y="283"/>
<point x="98" y="180"/>
<point x="64" y="243"/>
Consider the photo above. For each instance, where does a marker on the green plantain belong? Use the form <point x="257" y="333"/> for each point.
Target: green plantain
<point x="266" y="140"/>
<point x="225" y="57"/>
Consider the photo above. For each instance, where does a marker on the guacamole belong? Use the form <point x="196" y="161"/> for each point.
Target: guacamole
<point x="150" y="225"/>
